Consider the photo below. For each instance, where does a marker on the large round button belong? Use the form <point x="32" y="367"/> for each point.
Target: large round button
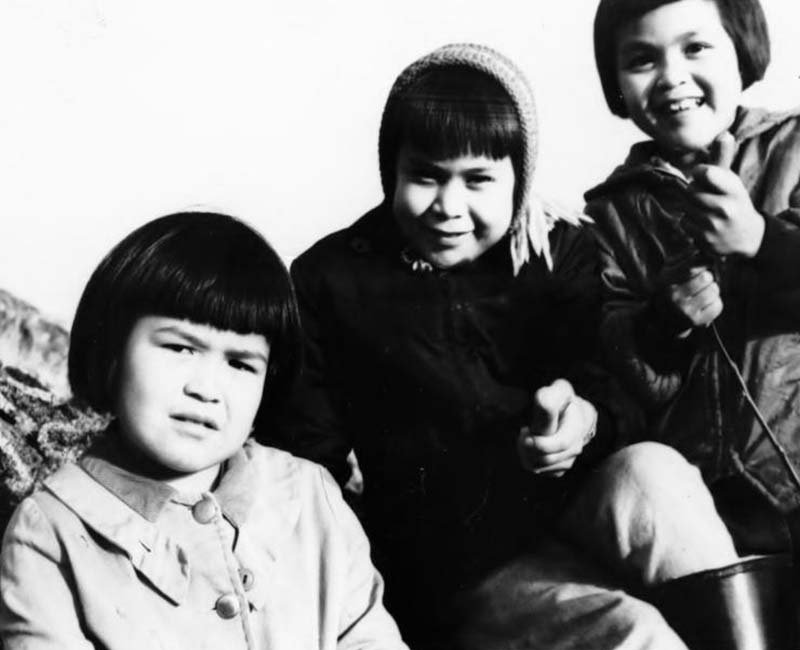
<point x="248" y="579"/>
<point x="204" y="510"/>
<point x="227" y="606"/>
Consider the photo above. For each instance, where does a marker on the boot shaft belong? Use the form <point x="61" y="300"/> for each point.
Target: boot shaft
<point x="750" y="605"/>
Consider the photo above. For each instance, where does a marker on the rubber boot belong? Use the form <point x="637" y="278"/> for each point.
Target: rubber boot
<point x="744" y="606"/>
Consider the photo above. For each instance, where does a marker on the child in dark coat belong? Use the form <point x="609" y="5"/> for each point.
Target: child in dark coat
<point x="449" y="341"/>
<point x="700" y="234"/>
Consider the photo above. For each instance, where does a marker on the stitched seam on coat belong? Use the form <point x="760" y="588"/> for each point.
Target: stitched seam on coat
<point x="233" y="575"/>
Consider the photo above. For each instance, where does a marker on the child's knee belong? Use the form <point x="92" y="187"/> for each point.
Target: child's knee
<point x="650" y="470"/>
<point x="645" y="487"/>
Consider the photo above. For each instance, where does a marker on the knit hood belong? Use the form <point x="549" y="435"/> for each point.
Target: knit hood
<point x="530" y="222"/>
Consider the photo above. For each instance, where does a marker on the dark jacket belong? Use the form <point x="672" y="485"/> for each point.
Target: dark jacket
<point x="691" y="393"/>
<point x="428" y="375"/>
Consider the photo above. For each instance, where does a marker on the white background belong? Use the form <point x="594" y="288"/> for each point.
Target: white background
<point x="113" y="112"/>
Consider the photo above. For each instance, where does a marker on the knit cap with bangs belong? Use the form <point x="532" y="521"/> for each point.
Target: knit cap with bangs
<point x="529" y="227"/>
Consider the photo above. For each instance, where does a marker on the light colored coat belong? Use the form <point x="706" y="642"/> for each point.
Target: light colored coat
<point x="102" y="558"/>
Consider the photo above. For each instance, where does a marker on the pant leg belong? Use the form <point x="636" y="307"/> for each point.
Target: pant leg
<point x="557" y="599"/>
<point x="646" y="513"/>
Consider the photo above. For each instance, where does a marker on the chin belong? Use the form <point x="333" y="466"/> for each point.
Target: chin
<point x="446" y="261"/>
<point x="686" y="143"/>
<point x="187" y="463"/>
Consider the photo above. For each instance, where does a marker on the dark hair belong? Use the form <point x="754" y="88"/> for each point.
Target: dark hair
<point x="743" y="20"/>
<point x="448" y="112"/>
<point x="200" y="266"/>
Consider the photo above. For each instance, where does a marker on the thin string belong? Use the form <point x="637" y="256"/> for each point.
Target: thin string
<point x="746" y="393"/>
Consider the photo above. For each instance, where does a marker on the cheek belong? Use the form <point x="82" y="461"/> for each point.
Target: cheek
<point x="135" y="402"/>
<point x="410" y="201"/>
<point x="246" y="391"/>
<point x="145" y="388"/>
<point x="495" y="211"/>
<point x="731" y="87"/>
<point x="633" y="91"/>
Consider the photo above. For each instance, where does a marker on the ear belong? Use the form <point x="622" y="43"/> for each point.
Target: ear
<point x="621" y="109"/>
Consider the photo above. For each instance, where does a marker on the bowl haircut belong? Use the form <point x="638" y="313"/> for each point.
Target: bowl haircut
<point x="448" y="112"/>
<point x="743" y="20"/>
<point x="203" y="267"/>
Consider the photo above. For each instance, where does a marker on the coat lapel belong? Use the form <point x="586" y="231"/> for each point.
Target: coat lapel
<point x="156" y="556"/>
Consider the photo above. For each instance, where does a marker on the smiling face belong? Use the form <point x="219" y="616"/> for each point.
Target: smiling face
<point x="452" y="211"/>
<point x="679" y="76"/>
<point x="187" y="395"/>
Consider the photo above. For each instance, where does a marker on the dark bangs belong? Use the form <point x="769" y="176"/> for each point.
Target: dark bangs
<point x="208" y="274"/>
<point x="453" y="111"/>
<point x="203" y="267"/>
<point x="743" y="20"/>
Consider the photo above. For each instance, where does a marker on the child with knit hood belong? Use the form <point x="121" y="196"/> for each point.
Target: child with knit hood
<point x="449" y="336"/>
<point x="700" y="235"/>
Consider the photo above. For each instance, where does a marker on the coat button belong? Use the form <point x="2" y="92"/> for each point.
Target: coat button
<point x="204" y="510"/>
<point x="247" y="578"/>
<point x="227" y="606"/>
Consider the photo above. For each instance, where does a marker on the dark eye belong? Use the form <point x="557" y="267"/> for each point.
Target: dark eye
<point x="238" y="364"/>
<point x="696" y="47"/>
<point x="423" y="175"/>
<point x="638" y="62"/>
<point x="180" y="348"/>
<point x="476" y="180"/>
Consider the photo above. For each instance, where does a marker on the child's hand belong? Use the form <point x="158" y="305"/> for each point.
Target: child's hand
<point x="561" y="426"/>
<point x="697" y="298"/>
<point x="723" y="216"/>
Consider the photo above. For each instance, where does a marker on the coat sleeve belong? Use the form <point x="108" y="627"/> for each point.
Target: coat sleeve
<point x="637" y="336"/>
<point x="776" y="260"/>
<point x="364" y="623"/>
<point x="576" y="311"/>
<point x="313" y="426"/>
<point x="774" y="162"/>
<point x="38" y="607"/>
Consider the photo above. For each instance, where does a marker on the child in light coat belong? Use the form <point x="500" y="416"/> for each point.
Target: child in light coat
<point x="177" y="530"/>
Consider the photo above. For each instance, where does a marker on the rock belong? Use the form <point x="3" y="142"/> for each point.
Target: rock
<point x="39" y="432"/>
<point x="34" y="344"/>
<point x="41" y="425"/>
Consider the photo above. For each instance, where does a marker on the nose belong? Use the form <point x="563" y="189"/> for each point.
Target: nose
<point x="202" y="382"/>
<point x="673" y="71"/>
<point x="451" y="200"/>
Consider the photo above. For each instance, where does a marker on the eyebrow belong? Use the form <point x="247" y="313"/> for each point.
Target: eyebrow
<point x="423" y="162"/>
<point x="236" y="353"/>
<point x="420" y="161"/>
<point x="246" y="354"/>
<point x="640" y="43"/>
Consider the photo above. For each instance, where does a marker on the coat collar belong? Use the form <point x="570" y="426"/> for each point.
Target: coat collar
<point x="155" y="555"/>
<point x="258" y="493"/>
<point x="644" y="162"/>
<point x="377" y="231"/>
<point x="234" y="492"/>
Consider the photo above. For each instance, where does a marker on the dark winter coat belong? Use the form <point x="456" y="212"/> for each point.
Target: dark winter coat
<point x="429" y="376"/>
<point x="689" y="389"/>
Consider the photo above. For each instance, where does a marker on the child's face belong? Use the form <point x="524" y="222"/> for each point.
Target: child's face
<point x="452" y="211"/>
<point x="187" y="394"/>
<point x="679" y="76"/>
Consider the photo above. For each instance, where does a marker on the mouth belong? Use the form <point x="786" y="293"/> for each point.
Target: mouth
<point x="191" y="418"/>
<point x="678" y="106"/>
<point x="445" y="234"/>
